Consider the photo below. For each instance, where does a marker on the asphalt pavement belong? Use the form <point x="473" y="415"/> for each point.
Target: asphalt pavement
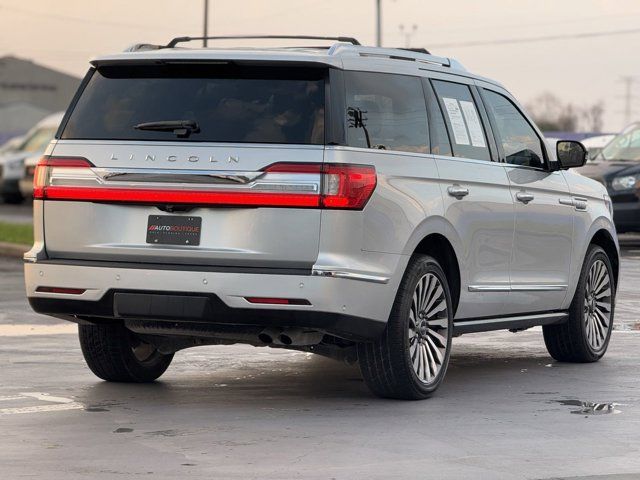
<point x="505" y="411"/>
<point x="16" y="213"/>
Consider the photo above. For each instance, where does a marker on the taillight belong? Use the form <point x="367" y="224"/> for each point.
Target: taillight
<point x="42" y="174"/>
<point x="291" y="185"/>
<point x="344" y="185"/>
<point x="347" y="186"/>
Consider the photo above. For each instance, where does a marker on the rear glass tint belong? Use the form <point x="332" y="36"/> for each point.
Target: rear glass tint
<point x="228" y="104"/>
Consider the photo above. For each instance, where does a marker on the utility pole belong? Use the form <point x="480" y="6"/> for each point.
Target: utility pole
<point x="378" y="23"/>
<point x="205" y="29"/>
<point x="628" y="97"/>
<point x="407" y="35"/>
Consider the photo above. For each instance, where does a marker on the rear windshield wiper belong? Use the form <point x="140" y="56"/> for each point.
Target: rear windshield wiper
<point x="181" y="128"/>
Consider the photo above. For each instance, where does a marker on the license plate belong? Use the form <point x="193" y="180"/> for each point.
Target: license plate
<point x="174" y="230"/>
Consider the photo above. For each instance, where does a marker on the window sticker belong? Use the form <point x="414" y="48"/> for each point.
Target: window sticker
<point x="473" y="123"/>
<point x="457" y="122"/>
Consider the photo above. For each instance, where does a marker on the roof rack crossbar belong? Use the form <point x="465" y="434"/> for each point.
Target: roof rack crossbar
<point x="178" y="40"/>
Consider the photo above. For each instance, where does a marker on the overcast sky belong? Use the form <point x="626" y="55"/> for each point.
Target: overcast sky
<point x="64" y="34"/>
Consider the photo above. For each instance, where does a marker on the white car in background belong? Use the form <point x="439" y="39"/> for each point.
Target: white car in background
<point x="11" y="145"/>
<point x="29" y="169"/>
<point x="594" y="145"/>
<point x="12" y="162"/>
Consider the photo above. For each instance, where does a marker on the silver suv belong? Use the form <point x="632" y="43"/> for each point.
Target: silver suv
<point x="361" y="203"/>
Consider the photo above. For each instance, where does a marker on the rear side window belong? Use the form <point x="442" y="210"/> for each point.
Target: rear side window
<point x="386" y="111"/>
<point x="227" y="103"/>
<point x="440" y="144"/>
<point x="466" y="131"/>
<point x="520" y="143"/>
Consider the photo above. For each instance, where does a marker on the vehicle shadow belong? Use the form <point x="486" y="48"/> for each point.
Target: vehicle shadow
<point x="302" y="381"/>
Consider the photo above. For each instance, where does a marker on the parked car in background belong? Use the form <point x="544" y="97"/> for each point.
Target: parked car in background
<point x="617" y="166"/>
<point x="12" y="161"/>
<point x="26" y="182"/>
<point x="594" y="145"/>
<point x="11" y="145"/>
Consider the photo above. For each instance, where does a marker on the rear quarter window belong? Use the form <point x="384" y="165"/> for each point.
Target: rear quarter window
<point x="228" y="103"/>
<point x="386" y="111"/>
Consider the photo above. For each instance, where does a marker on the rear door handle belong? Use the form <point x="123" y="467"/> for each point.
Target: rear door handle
<point x="458" y="191"/>
<point x="524" y="197"/>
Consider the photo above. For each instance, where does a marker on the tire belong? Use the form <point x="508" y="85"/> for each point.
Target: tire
<point x="12" y="198"/>
<point x="585" y="336"/>
<point x="393" y="366"/>
<point x="116" y="354"/>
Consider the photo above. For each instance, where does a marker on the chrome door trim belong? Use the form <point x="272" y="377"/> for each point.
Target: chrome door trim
<point x="517" y="288"/>
<point x="517" y="322"/>
<point x="489" y="288"/>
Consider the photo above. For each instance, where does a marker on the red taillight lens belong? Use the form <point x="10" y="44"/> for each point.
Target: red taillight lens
<point x="277" y="301"/>
<point x="347" y="186"/>
<point x="344" y="186"/>
<point x="66" y="291"/>
<point x="334" y="186"/>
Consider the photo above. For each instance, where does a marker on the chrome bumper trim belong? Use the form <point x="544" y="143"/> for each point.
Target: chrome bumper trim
<point x="329" y="272"/>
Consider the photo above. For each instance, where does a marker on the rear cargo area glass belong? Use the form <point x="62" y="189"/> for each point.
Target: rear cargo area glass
<point x="229" y="103"/>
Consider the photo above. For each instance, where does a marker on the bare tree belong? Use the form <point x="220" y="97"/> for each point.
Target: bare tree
<point x="593" y="117"/>
<point x="552" y="114"/>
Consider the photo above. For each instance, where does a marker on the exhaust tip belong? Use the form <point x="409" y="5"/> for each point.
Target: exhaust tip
<point x="286" y="339"/>
<point x="265" y="338"/>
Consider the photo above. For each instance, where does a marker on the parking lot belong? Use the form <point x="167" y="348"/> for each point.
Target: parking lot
<point x="506" y="410"/>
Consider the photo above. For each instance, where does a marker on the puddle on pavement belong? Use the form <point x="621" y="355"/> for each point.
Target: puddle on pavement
<point x="590" y="408"/>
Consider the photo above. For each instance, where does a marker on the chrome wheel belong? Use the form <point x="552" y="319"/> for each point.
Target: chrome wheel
<point x="597" y="305"/>
<point x="428" y="328"/>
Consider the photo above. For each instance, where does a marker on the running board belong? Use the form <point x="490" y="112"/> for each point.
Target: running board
<point x="518" y="322"/>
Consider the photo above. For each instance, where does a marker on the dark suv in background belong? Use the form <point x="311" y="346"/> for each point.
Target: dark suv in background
<point x="617" y="166"/>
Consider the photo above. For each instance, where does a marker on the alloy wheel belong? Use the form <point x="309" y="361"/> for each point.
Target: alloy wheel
<point x="428" y="328"/>
<point x="597" y="305"/>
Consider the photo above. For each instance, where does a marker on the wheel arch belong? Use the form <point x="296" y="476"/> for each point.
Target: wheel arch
<point x="439" y="247"/>
<point x="603" y="239"/>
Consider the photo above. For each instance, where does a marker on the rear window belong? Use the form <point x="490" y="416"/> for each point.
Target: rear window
<point x="227" y="103"/>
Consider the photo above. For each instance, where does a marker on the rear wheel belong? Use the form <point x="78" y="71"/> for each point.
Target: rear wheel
<point x="411" y="357"/>
<point x="116" y="354"/>
<point x="585" y="336"/>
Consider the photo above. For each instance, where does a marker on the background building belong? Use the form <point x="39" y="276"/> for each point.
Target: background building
<point x="29" y="92"/>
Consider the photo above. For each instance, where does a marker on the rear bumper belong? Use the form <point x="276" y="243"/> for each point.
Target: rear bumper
<point x="348" y="308"/>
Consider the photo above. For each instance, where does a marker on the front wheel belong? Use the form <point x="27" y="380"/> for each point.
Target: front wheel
<point x="411" y="357"/>
<point x="586" y="334"/>
<point x="116" y="354"/>
<point x="12" y="198"/>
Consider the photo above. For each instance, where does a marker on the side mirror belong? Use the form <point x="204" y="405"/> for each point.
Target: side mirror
<point x="571" y="154"/>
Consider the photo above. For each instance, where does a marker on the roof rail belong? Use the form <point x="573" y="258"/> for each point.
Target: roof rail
<point x="178" y="40"/>
<point x="394" y="54"/>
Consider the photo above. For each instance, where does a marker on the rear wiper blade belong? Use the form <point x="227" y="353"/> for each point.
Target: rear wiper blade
<point x="182" y="128"/>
